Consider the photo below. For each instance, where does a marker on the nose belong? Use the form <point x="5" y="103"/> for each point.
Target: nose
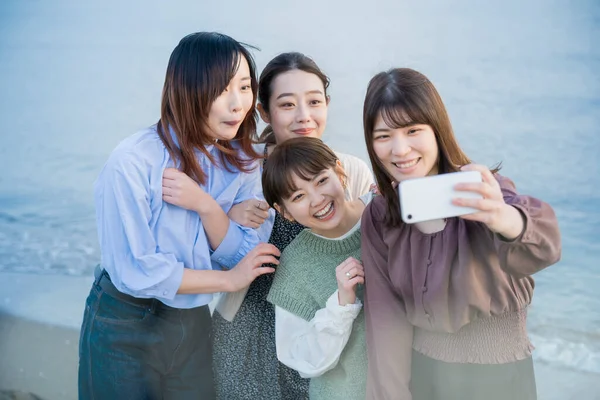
<point x="316" y="198"/>
<point x="400" y="145"/>
<point x="235" y="101"/>
<point x="302" y="113"/>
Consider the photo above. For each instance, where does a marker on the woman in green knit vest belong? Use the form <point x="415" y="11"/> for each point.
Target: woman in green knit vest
<point x="319" y="323"/>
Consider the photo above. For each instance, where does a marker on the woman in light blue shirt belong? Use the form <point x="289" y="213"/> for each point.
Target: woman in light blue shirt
<point x="166" y="242"/>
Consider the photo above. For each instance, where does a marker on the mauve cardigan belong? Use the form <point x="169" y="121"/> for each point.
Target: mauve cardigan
<point x="443" y="281"/>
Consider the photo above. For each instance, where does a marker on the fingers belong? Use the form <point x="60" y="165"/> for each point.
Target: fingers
<point x="356" y="280"/>
<point x="265" y="248"/>
<point x="356" y="271"/>
<point x="484" y="189"/>
<point x="254" y="220"/>
<point x="486" y="174"/>
<point x="348" y="270"/>
<point x="479" y="204"/>
<point x="373" y="188"/>
<point x="169" y="183"/>
<point x="168" y="191"/>
<point x="173" y="183"/>
<point x="479" y="217"/>
<point x="170" y="195"/>
<point x="257" y="207"/>
<point x="346" y="263"/>
<point x="253" y="204"/>
<point x="172" y="173"/>
<point x="263" y="270"/>
<point x="169" y="199"/>
<point x="263" y="253"/>
<point x="262" y="205"/>
<point x="260" y="260"/>
<point x="351" y="274"/>
<point x="350" y="284"/>
<point x="174" y="178"/>
<point x="261" y="214"/>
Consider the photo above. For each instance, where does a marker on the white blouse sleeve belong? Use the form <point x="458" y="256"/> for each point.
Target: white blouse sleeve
<point x="314" y="347"/>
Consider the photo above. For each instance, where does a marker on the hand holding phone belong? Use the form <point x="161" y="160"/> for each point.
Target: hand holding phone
<point x="429" y="198"/>
<point x="493" y="211"/>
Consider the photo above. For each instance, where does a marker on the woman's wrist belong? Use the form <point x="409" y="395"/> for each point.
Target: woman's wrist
<point x="513" y="223"/>
<point x="346" y="298"/>
<point x="206" y="205"/>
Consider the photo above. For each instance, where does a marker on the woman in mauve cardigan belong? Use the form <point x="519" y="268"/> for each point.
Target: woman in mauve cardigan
<point x="445" y="300"/>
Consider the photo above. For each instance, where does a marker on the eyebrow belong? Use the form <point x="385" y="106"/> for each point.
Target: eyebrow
<point x="318" y="175"/>
<point x="381" y="130"/>
<point x="387" y="128"/>
<point x="312" y="180"/>
<point x="292" y="94"/>
<point x="246" y="78"/>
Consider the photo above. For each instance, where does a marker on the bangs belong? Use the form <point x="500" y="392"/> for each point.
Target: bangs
<point x="228" y="55"/>
<point x="223" y="69"/>
<point x="301" y="157"/>
<point x="397" y="113"/>
<point x="305" y="169"/>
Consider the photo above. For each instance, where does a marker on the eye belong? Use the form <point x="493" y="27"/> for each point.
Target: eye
<point x="245" y="88"/>
<point x="286" y="105"/>
<point x="322" y="180"/>
<point x="412" y="131"/>
<point x="381" y="137"/>
<point x="297" y="197"/>
<point x="315" y="102"/>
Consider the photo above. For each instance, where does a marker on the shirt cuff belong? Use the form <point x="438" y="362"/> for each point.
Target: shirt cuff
<point x="227" y="252"/>
<point x="349" y="311"/>
<point x="165" y="290"/>
<point x="169" y="288"/>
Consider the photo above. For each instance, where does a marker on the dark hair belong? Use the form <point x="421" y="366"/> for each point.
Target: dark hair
<point x="302" y="156"/>
<point x="199" y="70"/>
<point x="405" y="97"/>
<point x="283" y="63"/>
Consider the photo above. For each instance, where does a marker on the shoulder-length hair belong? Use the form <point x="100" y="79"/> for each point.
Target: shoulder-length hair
<point x="199" y="70"/>
<point x="405" y="97"/>
<point x="281" y="64"/>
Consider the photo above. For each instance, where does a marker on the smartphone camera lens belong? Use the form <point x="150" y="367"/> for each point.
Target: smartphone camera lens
<point x="409" y="216"/>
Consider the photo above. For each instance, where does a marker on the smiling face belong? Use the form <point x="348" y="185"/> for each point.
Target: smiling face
<point x="407" y="152"/>
<point x="228" y="110"/>
<point x="297" y="106"/>
<point x="318" y="203"/>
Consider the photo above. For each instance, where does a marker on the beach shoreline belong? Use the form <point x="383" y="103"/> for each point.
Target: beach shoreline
<point x="40" y="319"/>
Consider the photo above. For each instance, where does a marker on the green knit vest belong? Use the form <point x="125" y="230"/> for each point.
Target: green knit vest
<point x="304" y="280"/>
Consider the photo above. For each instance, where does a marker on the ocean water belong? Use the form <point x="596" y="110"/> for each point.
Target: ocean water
<point x="521" y="81"/>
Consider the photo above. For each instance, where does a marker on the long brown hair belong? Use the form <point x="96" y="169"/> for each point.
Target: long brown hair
<point x="199" y="70"/>
<point x="283" y="63"/>
<point x="405" y="97"/>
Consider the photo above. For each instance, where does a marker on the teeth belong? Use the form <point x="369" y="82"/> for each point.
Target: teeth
<point x="407" y="164"/>
<point x="324" y="211"/>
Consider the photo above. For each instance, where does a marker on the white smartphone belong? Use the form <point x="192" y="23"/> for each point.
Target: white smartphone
<point x="424" y="199"/>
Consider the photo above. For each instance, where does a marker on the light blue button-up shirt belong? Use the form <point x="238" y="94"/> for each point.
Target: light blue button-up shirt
<point x="145" y="242"/>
